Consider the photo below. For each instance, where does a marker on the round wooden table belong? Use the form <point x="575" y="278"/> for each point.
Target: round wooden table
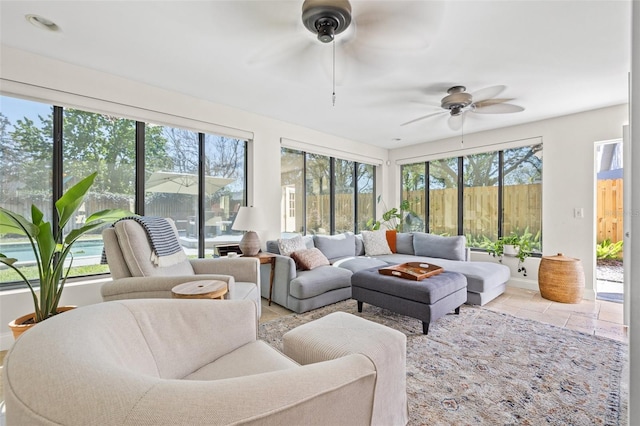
<point x="202" y="289"/>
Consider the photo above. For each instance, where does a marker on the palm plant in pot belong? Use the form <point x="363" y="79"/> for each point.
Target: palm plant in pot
<point x="51" y="248"/>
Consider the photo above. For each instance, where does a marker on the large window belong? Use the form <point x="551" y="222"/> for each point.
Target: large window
<point x="413" y="191"/>
<point x="366" y="195"/>
<point x="522" y="194"/>
<point x="97" y="142"/>
<point x="26" y="143"/>
<point x="443" y="196"/>
<point x="318" y="199"/>
<point x="87" y="142"/>
<point x="292" y="183"/>
<point x="482" y="196"/>
<point x="344" y="195"/>
<point x="325" y="195"/>
<point x="480" y="203"/>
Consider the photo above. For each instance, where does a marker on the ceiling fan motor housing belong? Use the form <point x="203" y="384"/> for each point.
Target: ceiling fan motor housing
<point x="326" y="17"/>
<point x="457" y="100"/>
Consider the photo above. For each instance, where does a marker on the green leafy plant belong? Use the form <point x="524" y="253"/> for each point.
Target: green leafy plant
<point x="522" y="244"/>
<point x="52" y="249"/>
<point x="609" y="250"/>
<point x="391" y="218"/>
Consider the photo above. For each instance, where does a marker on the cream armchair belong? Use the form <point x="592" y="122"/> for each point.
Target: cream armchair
<point x="135" y="276"/>
<point x="184" y="362"/>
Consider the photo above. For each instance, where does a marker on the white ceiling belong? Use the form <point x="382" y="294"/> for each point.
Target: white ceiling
<point x="393" y="64"/>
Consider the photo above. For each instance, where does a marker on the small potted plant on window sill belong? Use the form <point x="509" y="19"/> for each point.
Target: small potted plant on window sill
<point x="51" y="249"/>
<point x="512" y="245"/>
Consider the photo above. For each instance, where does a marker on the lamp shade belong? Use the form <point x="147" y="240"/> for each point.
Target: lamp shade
<point x="249" y="219"/>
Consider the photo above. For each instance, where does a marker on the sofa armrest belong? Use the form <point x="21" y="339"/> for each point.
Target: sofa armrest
<point x="331" y="393"/>
<point x="467" y="254"/>
<point x="242" y="269"/>
<point x="152" y="287"/>
<point x="285" y="271"/>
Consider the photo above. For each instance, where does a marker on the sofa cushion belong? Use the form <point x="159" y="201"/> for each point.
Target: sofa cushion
<point x="286" y="246"/>
<point x="452" y="248"/>
<point x="404" y="243"/>
<point x="375" y="243"/>
<point x="358" y="263"/>
<point x="336" y="246"/>
<point x="273" y="245"/>
<point x="252" y="358"/>
<point x="319" y="281"/>
<point x="309" y="259"/>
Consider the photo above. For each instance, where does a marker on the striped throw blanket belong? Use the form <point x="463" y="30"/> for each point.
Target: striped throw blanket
<point x="165" y="248"/>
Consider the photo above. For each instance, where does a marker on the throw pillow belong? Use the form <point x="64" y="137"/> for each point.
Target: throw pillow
<point x="391" y="240"/>
<point x="375" y="243"/>
<point x="336" y="246"/>
<point x="308" y="259"/>
<point x="430" y="245"/>
<point x="289" y="245"/>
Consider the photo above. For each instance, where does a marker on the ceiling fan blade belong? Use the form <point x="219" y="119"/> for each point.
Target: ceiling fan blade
<point x="424" y="117"/>
<point x="488" y="102"/>
<point x="501" y="108"/>
<point x="455" y="121"/>
<point x="487" y="93"/>
<point x="398" y="25"/>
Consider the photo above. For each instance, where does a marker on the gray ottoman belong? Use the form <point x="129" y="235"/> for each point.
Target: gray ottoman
<point x="426" y="300"/>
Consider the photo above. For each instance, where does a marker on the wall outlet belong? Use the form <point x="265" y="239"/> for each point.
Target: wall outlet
<point x="578" y="213"/>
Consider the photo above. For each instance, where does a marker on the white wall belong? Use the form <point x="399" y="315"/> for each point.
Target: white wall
<point x="568" y="178"/>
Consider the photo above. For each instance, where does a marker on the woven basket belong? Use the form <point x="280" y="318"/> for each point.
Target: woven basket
<point x="561" y="279"/>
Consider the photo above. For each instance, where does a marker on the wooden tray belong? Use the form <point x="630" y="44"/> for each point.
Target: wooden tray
<point x="415" y="271"/>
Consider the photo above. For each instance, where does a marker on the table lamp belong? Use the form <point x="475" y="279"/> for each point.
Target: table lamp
<point x="249" y="219"/>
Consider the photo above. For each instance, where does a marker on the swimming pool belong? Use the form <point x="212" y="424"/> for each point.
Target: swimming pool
<point x="24" y="253"/>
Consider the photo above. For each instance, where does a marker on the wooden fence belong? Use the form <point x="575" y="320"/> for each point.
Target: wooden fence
<point x="609" y="210"/>
<point x="522" y="206"/>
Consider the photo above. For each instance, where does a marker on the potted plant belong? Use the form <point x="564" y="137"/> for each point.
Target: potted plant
<point x="392" y="218"/>
<point x="52" y="249"/>
<point x="512" y="245"/>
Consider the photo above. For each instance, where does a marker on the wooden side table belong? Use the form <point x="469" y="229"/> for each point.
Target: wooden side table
<point x="202" y="289"/>
<point x="264" y="258"/>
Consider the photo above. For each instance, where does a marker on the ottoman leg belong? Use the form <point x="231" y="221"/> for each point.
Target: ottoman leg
<point x="425" y="327"/>
<point x="359" y="306"/>
<point x="457" y="311"/>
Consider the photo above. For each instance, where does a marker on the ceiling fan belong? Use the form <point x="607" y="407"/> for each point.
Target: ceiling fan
<point x="370" y="35"/>
<point x="459" y="102"/>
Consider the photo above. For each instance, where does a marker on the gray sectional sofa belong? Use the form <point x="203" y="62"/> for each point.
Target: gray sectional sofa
<point x="304" y="290"/>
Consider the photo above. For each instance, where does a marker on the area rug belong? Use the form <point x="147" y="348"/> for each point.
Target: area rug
<point x="487" y="368"/>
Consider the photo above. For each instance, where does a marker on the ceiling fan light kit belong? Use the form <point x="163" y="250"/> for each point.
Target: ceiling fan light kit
<point x="326" y="18"/>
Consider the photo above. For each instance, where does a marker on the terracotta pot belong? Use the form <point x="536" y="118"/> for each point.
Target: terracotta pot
<point x="18" y="325"/>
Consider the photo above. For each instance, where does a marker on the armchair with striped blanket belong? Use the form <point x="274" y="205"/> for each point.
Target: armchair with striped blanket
<point x="144" y="265"/>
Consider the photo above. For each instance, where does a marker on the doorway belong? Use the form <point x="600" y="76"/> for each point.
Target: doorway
<point x="610" y="221"/>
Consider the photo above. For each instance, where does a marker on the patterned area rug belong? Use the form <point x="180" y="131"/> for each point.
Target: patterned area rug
<point x="484" y="367"/>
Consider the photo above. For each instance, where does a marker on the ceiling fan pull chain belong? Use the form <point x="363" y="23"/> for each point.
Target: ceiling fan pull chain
<point x="333" y="97"/>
